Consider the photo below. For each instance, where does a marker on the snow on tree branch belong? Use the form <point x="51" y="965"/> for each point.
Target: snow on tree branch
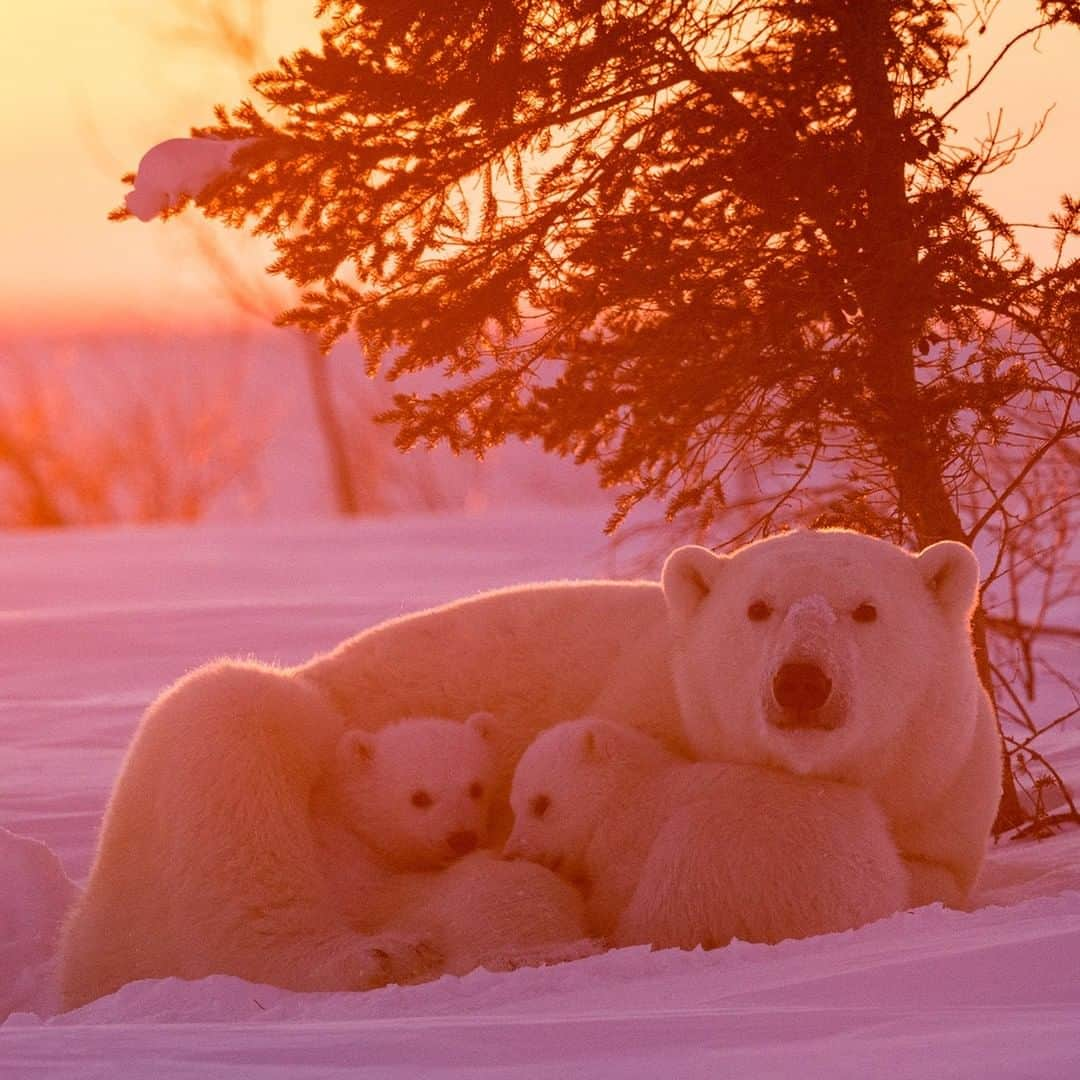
<point x="178" y="169"/>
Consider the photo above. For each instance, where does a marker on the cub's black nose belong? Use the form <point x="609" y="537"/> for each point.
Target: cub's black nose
<point x="802" y="687"/>
<point x="461" y="843"/>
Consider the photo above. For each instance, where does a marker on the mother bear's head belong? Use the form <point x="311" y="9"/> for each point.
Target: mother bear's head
<point x="814" y="651"/>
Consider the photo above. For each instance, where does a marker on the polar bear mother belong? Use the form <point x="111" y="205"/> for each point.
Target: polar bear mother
<point x="825" y="653"/>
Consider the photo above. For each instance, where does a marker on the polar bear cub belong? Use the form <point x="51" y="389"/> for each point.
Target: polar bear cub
<point x="417" y="792"/>
<point x="677" y="854"/>
<point x="402" y="820"/>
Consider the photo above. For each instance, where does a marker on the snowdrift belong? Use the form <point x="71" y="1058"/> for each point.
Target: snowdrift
<point x="95" y="623"/>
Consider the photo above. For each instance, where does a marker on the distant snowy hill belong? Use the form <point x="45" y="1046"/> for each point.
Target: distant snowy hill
<point x="95" y="622"/>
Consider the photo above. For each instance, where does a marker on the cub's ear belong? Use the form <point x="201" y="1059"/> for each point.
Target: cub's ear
<point x="484" y="724"/>
<point x="687" y="578"/>
<point x="356" y="747"/>
<point x="599" y="739"/>
<point x="951" y="573"/>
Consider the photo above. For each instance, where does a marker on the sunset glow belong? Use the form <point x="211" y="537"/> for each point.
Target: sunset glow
<point x="605" y="604"/>
<point x="91" y="84"/>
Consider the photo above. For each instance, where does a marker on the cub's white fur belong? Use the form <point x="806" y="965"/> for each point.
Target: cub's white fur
<point x="206" y="861"/>
<point x="397" y="821"/>
<point x="417" y="792"/>
<point x="674" y="853"/>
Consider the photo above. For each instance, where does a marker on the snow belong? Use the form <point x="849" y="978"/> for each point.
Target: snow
<point x="32" y="905"/>
<point x="177" y="169"/>
<point x="95" y="622"/>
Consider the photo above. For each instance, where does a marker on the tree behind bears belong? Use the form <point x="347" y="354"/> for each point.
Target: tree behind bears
<point x="674" y="239"/>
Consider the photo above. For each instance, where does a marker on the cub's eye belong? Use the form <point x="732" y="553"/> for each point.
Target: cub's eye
<point x="421" y="799"/>
<point x="758" y="611"/>
<point x="476" y="790"/>
<point x="864" y="613"/>
<point x="538" y="805"/>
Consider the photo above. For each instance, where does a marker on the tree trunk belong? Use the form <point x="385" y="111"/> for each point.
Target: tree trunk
<point x="895" y="311"/>
<point x="342" y="481"/>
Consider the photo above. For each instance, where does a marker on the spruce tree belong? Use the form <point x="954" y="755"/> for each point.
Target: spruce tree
<point x="674" y="238"/>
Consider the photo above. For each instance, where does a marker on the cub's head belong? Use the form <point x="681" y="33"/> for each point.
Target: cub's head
<point x="418" y="790"/>
<point x="570" y="777"/>
<point x="813" y="650"/>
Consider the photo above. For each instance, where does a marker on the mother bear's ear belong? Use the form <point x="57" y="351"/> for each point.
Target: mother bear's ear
<point x="687" y="578"/>
<point x="951" y="573"/>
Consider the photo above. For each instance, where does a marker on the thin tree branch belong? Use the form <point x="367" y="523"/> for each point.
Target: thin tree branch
<point x="1006" y="48"/>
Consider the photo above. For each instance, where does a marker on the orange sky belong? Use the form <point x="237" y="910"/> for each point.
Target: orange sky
<point x="91" y="84"/>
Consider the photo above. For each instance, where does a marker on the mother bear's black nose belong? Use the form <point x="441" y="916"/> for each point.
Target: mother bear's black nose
<point x="803" y="687"/>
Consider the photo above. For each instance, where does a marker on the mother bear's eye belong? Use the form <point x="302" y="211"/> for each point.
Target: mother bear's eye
<point x="758" y="611"/>
<point x="538" y="805"/>
<point x="421" y="799"/>
<point x="864" y="613"/>
<point x="476" y="790"/>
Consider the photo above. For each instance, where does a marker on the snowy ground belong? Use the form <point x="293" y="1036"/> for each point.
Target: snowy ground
<point x="94" y="623"/>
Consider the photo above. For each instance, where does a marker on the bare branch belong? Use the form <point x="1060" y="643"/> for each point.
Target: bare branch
<point x="1005" y="50"/>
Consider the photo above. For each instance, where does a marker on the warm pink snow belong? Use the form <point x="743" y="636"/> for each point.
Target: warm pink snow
<point x="94" y="623"/>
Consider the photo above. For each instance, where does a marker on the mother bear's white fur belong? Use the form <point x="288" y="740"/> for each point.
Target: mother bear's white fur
<point x="206" y="862"/>
<point x="905" y="715"/>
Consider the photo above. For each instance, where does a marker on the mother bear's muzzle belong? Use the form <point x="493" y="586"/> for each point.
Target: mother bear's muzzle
<point x="800" y="694"/>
